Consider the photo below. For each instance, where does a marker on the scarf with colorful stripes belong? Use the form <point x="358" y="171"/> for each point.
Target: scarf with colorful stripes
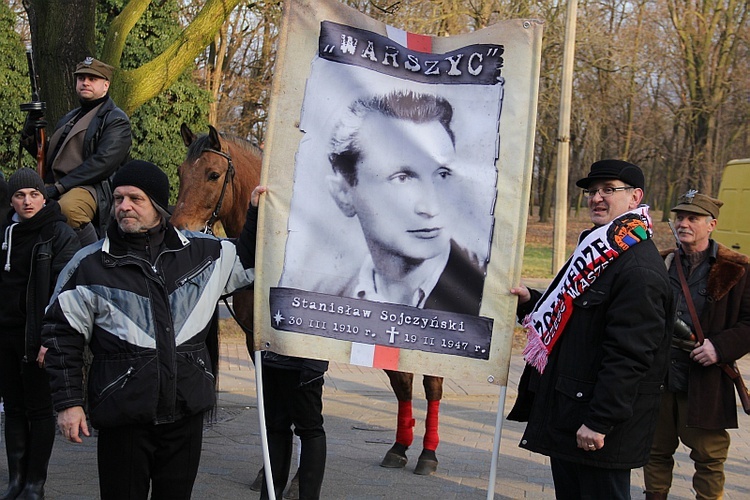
<point x="594" y="253"/>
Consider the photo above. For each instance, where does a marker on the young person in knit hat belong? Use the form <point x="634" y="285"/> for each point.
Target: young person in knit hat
<point x="87" y="147"/>
<point x="143" y="299"/>
<point x="598" y="344"/>
<point x="699" y="403"/>
<point x="37" y="244"/>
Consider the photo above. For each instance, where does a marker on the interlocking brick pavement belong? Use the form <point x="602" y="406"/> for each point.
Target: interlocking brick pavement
<point x="360" y="413"/>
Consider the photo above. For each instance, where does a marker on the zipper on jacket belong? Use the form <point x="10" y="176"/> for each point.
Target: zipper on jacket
<point x="201" y="364"/>
<point x="195" y="273"/>
<point x="30" y="290"/>
<point x="125" y="376"/>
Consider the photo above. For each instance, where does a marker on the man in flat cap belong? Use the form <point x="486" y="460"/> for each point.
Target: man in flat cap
<point x="700" y="403"/>
<point x="88" y="146"/>
<point x="598" y="345"/>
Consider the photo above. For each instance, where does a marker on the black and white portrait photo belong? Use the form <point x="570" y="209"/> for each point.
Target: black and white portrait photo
<point x="395" y="179"/>
<point x="398" y="168"/>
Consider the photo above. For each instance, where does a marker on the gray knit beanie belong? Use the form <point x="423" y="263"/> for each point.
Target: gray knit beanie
<point x="26" y="178"/>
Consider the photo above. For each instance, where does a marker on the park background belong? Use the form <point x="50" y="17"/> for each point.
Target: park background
<point x="664" y="84"/>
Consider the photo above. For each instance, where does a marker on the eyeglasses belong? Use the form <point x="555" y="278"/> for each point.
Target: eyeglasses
<point x="605" y="192"/>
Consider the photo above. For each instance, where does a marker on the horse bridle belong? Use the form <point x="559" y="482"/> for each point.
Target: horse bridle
<point x="229" y="177"/>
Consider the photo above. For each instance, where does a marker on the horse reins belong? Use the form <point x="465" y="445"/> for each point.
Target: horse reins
<point x="229" y="177"/>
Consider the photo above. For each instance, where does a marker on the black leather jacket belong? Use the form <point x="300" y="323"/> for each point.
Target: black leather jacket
<point x="106" y="147"/>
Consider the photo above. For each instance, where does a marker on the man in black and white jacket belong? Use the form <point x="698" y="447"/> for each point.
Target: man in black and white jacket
<point x="142" y="300"/>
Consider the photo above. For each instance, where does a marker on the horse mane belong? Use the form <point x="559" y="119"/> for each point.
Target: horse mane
<point x="201" y="143"/>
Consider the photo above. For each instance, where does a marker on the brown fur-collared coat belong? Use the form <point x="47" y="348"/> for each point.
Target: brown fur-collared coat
<point x="726" y="321"/>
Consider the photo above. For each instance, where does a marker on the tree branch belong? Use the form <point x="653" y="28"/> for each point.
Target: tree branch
<point x="119" y="29"/>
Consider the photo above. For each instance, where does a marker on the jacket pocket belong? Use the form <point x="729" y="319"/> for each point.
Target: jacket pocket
<point x="196" y="383"/>
<point x="650" y="388"/>
<point x="122" y="391"/>
<point x="572" y="398"/>
<point x="592" y="298"/>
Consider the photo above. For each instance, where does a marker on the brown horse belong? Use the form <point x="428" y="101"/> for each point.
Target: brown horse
<point x="216" y="180"/>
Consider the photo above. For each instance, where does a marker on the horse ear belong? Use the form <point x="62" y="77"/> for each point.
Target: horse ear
<point x="188" y="137"/>
<point x="213" y="138"/>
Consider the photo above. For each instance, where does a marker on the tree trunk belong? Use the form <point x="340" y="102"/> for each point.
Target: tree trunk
<point x="62" y="37"/>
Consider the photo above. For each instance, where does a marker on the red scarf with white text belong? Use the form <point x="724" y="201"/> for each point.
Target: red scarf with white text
<point x="597" y="250"/>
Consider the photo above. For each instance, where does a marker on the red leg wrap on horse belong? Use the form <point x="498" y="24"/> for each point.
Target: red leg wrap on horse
<point x="405" y="428"/>
<point x="431" y="436"/>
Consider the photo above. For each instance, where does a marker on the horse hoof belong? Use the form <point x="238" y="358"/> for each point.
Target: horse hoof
<point x="395" y="458"/>
<point x="258" y="483"/>
<point x="427" y="463"/>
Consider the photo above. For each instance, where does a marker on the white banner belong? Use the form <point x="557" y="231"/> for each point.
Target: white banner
<point x="398" y="168"/>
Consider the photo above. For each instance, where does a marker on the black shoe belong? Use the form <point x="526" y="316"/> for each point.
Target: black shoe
<point x="16" y="437"/>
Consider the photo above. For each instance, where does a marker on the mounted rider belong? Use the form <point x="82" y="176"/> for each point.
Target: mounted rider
<point x="88" y="146"/>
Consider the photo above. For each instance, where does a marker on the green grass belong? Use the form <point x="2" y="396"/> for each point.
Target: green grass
<point x="537" y="261"/>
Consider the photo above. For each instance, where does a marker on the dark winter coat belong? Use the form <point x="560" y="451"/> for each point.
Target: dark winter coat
<point x="146" y="325"/>
<point x="106" y="147"/>
<point x="48" y="243"/>
<point x="726" y="321"/>
<point x="607" y="369"/>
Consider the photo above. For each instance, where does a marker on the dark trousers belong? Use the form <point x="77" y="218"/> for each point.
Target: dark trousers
<point x="295" y="398"/>
<point x="584" y="482"/>
<point x="24" y="386"/>
<point x="165" y="456"/>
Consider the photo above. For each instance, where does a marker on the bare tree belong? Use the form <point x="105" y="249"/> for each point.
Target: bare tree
<point x="708" y="34"/>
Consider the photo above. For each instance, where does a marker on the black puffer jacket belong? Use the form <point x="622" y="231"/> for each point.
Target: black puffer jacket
<point x="146" y="325"/>
<point x="607" y="369"/>
<point x="33" y="254"/>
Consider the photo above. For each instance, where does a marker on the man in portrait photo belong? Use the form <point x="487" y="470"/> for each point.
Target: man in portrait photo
<point x="393" y="160"/>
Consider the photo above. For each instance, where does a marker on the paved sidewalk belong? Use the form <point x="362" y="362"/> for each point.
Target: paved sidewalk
<point x="360" y="413"/>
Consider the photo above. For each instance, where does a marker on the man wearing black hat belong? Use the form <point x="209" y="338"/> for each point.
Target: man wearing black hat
<point x="598" y="345"/>
<point x="142" y="299"/>
<point x="37" y="244"/>
<point x="88" y="146"/>
<point x="699" y="404"/>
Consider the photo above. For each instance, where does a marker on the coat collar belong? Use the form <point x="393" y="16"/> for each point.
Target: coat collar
<point x="173" y="240"/>
<point x="727" y="270"/>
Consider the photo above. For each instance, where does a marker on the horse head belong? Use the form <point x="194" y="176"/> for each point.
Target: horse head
<point x="216" y="180"/>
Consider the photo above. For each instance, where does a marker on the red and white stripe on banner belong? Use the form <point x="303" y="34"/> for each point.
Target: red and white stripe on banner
<point x="379" y="356"/>
<point x="420" y="43"/>
<point x="374" y="356"/>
